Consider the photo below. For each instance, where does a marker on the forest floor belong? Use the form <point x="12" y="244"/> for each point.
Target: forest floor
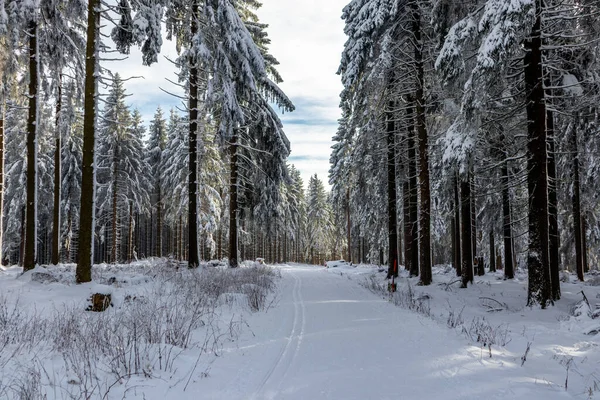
<point x="324" y="333"/>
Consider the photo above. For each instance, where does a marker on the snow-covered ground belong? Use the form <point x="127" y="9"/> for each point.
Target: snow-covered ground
<point x="325" y="333"/>
<point x="505" y="349"/>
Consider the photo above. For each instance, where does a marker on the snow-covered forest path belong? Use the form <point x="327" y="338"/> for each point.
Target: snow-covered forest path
<point x="328" y="338"/>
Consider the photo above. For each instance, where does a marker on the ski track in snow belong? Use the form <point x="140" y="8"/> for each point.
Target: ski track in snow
<point x="282" y="364"/>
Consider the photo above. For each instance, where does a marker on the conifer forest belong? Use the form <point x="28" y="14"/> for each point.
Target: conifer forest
<point x="299" y="199"/>
<point x="468" y="136"/>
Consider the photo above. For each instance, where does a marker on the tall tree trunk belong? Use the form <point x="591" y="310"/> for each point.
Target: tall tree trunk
<point x="457" y="254"/>
<point x="492" y="252"/>
<point x="86" y="219"/>
<point x="553" y="232"/>
<point x="407" y="223"/>
<point x="193" y="253"/>
<point x="148" y="238"/>
<point x="57" y="177"/>
<point x="22" y="244"/>
<point x="242" y="246"/>
<point x="219" y="242"/>
<point x="507" y="222"/>
<point x="391" y="191"/>
<point x="584" y="248"/>
<point x="413" y="193"/>
<point x="32" y="125"/>
<point x="68" y="255"/>
<point x="348" y="226"/>
<point x="577" y="204"/>
<point x="473" y="217"/>
<point x="233" y="203"/>
<point x="467" y="252"/>
<point x="2" y="110"/>
<point x="136" y="233"/>
<point x="115" y="212"/>
<point x="181" y="239"/>
<point x="453" y="242"/>
<point x="425" y="209"/>
<point x="270" y="250"/>
<point x="130" y="232"/>
<point x="159" y="222"/>
<point x="539" y="290"/>
<point x="285" y="247"/>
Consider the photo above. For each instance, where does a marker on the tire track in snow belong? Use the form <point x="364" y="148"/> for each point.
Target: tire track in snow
<point x="258" y="394"/>
<point x="299" y="338"/>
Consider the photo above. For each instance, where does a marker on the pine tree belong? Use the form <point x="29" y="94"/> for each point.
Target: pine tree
<point x="88" y="190"/>
<point x="71" y="177"/>
<point x="155" y="146"/>
<point x="317" y="218"/>
<point x="31" y="16"/>
<point x="122" y="170"/>
<point x="149" y="35"/>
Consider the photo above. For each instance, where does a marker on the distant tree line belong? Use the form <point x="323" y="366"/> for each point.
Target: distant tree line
<point x="82" y="178"/>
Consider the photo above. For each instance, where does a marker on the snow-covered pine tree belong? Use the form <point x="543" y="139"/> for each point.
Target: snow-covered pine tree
<point x="380" y="84"/>
<point x="145" y="33"/>
<point x="155" y="146"/>
<point x="9" y="64"/>
<point x="72" y="118"/>
<point x="238" y="99"/>
<point x="174" y="170"/>
<point x="61" y="45"/>
<point x="15" y="180"/>
<point x="318" y="219"/>
<point x="122" y="170"/>
<point x="546" y="37"/>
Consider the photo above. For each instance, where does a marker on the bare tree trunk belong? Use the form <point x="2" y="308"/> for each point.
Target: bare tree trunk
<point x="577" y="204"/>
<point x="86" y="219"/>
<point x="457" y="253"/>
<point x="181" y="239"/>
<point x="32" y="126"/>
<point x="584" y="248"/>
<point x="115" y="212"/>
<point x="348" y="226"/>
<point x="507" y="223"/>
<point x="2" y="110"/>
<point x="57" y="177"/>
<point x="473" y="217"/>
<point x="242" y="246"/>
<point x="220" y="243"/>
<point x="159" y="223"/>
<point x="425" y="209"/>
<point x="553" y="232"/>
<point x="539" y="290"/>
<point x="453" y="242"/>
<point x="391" y="191"/>
<point x="467" y="252"/>
<point x="193" y="253"/>
<point x="131" y="226"/>
<point x="233" y="203"/>
<point x="22" y="244"/>
<point x="406" y="223"/>
<point x="285" y="247"/>
<point x="412" y="243"/>
<point x="492" y="252"/>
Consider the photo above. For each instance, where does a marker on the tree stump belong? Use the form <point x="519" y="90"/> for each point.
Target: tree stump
<point x="100" y="302"/>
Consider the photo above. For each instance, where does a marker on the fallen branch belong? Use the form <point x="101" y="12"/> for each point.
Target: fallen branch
<point x="500" y="306"/>
<point x="524" y="356"/>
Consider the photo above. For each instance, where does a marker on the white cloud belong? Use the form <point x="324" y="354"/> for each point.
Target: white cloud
<point x="307" y="38"/>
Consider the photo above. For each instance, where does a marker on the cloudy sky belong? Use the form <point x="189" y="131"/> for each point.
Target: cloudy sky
<point x="307" y="39"/>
